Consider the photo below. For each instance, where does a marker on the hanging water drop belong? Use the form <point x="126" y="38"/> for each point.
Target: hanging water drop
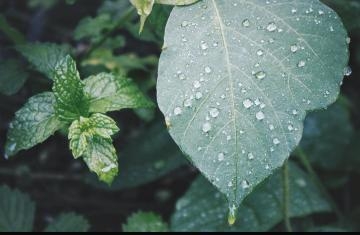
<point x="221" y="157"/>
<point x="260" y="75"/>
<point x="294" y="48"/>
<point x="247" y="103"/>
<point x="260" y="52"/>
<point x="232" y="214"/>
<point x="214" y="112"/>
<point x="207" y="69"/>
<point x="177" y="111"/>
<point x="276" y="141"/>
<point x="187" y="103"/>
<point x="301" y="64"/>
<point x="271" y="27"/>
<point x="206" y="127"/>
<point x="246" y="23"/>
<point x="347" y="71"/>
<point x="245" y="184"/>
<point x="260" y="115"/>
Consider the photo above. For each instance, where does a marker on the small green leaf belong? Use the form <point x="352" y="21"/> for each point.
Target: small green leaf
<point x="84" y="129"/>
<point x="147" y="157"/>
<point x="236" y="79"/>
<point x="69" y="222"/>
<point x="176" y="2"/>
<point x="15" y="36"/>
<point x="44" y="56"/>
<point x="33" y="123"/>
<point x="12" y="77"/>
<point x="144" y="8"/>
<point x="108" y="92"/>
<point x="17" y="211"/>
<point x="203" y="208"/>
<point x="71" y="102"/>
<point x="93" y="27"/>
<point x="101" y="158"/>
<point x="145" y="222"/>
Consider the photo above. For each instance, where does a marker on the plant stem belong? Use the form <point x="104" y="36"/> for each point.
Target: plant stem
<point x="286" y="197"/>
<point x="122" y="21"/>
<point x="306" y="163"/>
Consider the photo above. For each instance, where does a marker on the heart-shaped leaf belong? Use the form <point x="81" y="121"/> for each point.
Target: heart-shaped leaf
<point x="237" y="77"/>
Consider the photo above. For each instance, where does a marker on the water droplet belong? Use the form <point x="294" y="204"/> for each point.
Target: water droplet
<point x="204" y="45"/>
<point x="332" y="29"/>
<point x="276" y="141"/>
<point x="181" y="76"/>
<point x="260" y="52"/>
<point x="295" y="112"/>
<point x="348" y="40"/>
<point x="293" y="10"/>
<point x="187" y="103"/>
<point x="197" y="84"/>
<point x="232" y="214"/>
<point x="250" y="156"/>
<point x="294" y="48"/>
<point x="347" y="71"/>
<point x="247" y="103"/>
<point x="246" y="23"/>
<point x="321" y="12"/>
<point x="290" y="127"/>
<point x="271" y="27"/>
<point x="260" y="75"/>
<point x="301" y="64"/>
<point x="214" y="112"/>
<point x="245" y="184"/>
<point x="271" y="127"/>
<point x="221" y="157"/>
<point x="207" y="69"/>
<point x="260" y="115"/>
<point x="177" y="111"/>
<point x="198" y="95"/>
<point x="184" y="23"/>
<point x="206" y="127"/>
<point x="230" y="184"/>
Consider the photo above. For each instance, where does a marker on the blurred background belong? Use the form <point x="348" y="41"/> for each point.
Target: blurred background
<point x="103" y="36"/>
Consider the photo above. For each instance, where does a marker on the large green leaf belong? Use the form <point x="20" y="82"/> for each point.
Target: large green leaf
<point x="202" y="208"/>
<point x="237" y="77"/>
<point x="16" y="211"/>
<point x="33" y="123"/>
<point x="68" y="222"/>
<point x="108" y="92"/>
<point x="145" y="222"/>
<point x="71" y="101"/>
<point x="44" y="56"/>
<point x="12" y="77"/>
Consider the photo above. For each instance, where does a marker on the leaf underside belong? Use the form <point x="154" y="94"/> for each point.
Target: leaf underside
<point x="236" y="79"/>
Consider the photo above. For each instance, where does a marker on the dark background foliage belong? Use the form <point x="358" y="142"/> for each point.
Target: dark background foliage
<point x="58" y="183"/>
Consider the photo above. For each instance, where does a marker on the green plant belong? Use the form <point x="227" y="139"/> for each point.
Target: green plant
<point x="238" y="83"/>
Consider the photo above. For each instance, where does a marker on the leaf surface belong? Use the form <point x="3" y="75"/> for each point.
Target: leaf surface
<point x="236" y="79"/>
